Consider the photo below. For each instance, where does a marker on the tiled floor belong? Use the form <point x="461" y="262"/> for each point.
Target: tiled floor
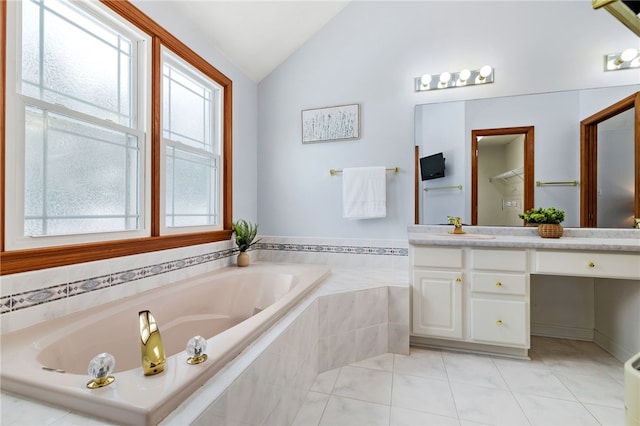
<point x="565" y="383"/>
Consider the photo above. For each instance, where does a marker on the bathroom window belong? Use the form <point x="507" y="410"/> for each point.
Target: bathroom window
<point x="116" y="136"/>
<point x="82" y="138"/>
<point x="191" y="124"/>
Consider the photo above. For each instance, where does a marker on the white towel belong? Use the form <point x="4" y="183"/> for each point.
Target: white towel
<point x="364" y="193"/>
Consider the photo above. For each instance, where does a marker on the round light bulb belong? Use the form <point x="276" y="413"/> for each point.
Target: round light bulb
<point x="629" y="54"/>
<point x="425" y="79"/>
<point x="445" y="77"/>
<point x="465" y="74"/>
<point x="485" y="71"/>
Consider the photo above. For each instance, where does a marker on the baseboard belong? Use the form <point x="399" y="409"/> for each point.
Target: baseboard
<point x="615" y="349"/>
<point x="562" y="332"/>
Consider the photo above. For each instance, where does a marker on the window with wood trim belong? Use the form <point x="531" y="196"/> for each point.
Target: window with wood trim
<point x="117" y="140"/>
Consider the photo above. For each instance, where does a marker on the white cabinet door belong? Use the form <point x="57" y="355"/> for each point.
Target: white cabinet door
<point x="437" y="304"/>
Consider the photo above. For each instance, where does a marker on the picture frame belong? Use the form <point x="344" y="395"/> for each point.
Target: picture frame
<point x="329" y="124"/>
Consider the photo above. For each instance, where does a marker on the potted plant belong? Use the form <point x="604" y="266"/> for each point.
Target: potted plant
<point x="546" y="219"/>
<point x="245" y="234"/>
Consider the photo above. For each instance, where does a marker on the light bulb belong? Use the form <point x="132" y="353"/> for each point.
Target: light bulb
<point x="445" y="77"/>
<point x="628" y="55"/>
<point x="465" y="74"/>
<point x="485" y="71"/>
<point x="425" y="80"/>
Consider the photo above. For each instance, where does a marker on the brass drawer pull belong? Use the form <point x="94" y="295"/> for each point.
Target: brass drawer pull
<point x="591" y="265"/>
<point x="459" y="280"/>
<point x="499" y="322"/>
<point x="498" y="284"/>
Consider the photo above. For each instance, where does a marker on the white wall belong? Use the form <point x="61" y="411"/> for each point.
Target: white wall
<point x="370" y="53"/>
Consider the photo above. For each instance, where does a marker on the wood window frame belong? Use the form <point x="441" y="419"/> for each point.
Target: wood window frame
<point x="16" y="261"/>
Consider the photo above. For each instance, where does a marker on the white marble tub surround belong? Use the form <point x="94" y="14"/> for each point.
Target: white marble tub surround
<point x="626" y="240"/>
<point x="222" y="399"/>
<point x="134" y="398"/>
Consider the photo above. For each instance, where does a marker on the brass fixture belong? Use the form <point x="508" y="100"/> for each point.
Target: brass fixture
<point x="153" y="358"/>
<point x="395" y="170"/>
<point x="457" y="225"/>
<point x="499" y="322"/>
<point x="100" y="369"/>
<point x="498" y="284"/>
<point x="623" y="10"/>
<point x="195" y="349"/>
<point x="591" y="265"/>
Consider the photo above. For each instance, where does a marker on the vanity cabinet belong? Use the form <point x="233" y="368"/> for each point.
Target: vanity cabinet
<point x="470" y="295"/>
<point x="588" y="264"/>
<point x="437" y="292"/>
<point x="499" y="300"/>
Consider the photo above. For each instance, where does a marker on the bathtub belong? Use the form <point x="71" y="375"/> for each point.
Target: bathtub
<point x="229" y="307"/>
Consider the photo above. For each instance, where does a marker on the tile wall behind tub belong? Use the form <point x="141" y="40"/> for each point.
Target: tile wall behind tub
<point x="32" y="297"/>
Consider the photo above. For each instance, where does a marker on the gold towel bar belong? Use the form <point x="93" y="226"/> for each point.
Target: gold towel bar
<point x="566" y="182"/>
<point x="334" y="172"/>
<point x="444" y="187"/>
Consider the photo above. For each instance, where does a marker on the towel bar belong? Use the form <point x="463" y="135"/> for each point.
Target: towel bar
<point x="444" y="187"/>
<point x="334" y="172"/>
<point x="564" y="182"/>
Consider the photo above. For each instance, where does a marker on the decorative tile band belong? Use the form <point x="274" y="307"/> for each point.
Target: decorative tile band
<point x="322" y="248"/>
<point x="32" y="298"/>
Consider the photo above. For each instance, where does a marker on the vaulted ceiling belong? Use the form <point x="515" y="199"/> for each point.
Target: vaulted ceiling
<point x="257" y="36"/>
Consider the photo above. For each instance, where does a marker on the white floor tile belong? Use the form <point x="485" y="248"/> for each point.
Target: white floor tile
<point x="312" y="409"/>
<point x="422" y="394"/>
<point x="324" y="381"/>
<point x="607" y="416"/>
<point x="554" y="412"/>
<point x="487" y="405"/>
<point x="351" y="412"/>
<point x="364" y="384"/>
<point x="473" y="369"/>
<point x="532" y="379"/>
<point x="421" y="362"/>
<point x="564" y="383"/>
<point x="404" y="417"/>
<point x="601" y="391"/>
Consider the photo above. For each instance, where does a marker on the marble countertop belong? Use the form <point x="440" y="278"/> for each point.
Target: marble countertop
<point x="625" y="240"/>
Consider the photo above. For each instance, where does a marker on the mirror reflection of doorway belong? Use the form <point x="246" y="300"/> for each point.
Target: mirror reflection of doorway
<point x="502" y="175"/>
<point x="610" y="165"/>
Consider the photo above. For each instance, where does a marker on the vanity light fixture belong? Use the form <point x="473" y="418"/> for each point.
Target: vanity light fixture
<point x="627" y="59"/>
<point x="447" y="80"/>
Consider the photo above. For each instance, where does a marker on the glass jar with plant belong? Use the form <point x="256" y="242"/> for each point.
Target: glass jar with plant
<point x="546" y="219"/>
<point x="245" y="234"/>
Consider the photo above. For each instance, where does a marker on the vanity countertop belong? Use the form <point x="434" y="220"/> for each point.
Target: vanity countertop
<point x="625" y="240"/>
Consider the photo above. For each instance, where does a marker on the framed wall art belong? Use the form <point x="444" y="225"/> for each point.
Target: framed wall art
<point x="334" y="123"/>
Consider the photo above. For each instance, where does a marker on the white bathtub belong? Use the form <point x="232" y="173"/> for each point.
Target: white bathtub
<point x="230" y="307"/>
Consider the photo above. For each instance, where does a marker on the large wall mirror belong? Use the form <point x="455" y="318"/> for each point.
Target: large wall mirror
<point x="551" y="173"/>
<point x="610" y="139"/>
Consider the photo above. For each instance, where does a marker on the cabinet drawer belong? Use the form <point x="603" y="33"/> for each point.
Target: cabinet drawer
<point x="500" y="322"/>
<point x="437" y="257"/>
<point x="513" y="284"/>
<point x="591" y="264"/>
<point x="499" y="260"/>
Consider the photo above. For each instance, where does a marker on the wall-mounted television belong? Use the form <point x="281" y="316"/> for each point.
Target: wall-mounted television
<point x="432" y="166"/>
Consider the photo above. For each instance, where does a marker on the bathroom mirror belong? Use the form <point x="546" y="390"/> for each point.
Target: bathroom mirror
<point x="610" y="165"/>
<point x="555" y="179"/>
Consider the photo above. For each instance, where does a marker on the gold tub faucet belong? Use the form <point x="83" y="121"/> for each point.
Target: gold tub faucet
<point x="153" y="358"/>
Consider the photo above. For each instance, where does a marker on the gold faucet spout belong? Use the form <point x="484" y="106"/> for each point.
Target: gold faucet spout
<point x="153" y="358"/>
